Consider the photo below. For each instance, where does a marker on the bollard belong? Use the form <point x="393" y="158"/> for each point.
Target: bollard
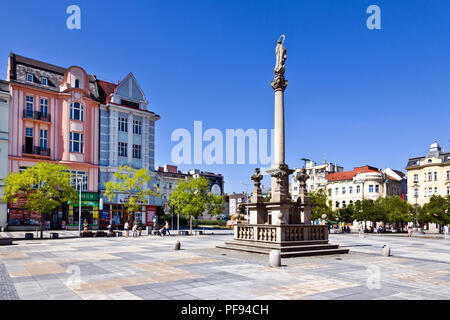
<point x="275" y="259"/>
<point x="386" y="250"/>
<point x="177" y="245"/>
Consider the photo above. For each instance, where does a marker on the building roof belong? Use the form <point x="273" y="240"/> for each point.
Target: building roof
<point x="435" y="151"/>
<point x="105" y="89"/>
<point x="4" y="86"/>
<point x="349" y="175"/>
<point x="19" y="65"/>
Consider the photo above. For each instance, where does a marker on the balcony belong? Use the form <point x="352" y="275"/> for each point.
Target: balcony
<point x="36" y="151"/>
<point x="36" y="115"/>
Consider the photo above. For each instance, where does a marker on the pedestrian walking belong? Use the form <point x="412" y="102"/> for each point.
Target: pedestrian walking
<point x="446" y="230"/>
<point x="126" y="228"/>
<point x="361" y="230"/>
<point x="134" y="230"/>
<point x="410" y="230"/>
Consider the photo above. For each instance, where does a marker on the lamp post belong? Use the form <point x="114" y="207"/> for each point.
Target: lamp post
<point x="80" y="179"/>
<point x="416" y="195"/>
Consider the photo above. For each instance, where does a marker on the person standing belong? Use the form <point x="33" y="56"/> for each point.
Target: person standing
<point x="126" y="228"/>
<point x="410" y="230"/>
<point x="445" y="231"/>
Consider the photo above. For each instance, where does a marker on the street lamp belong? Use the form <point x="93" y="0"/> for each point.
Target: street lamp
<point x="306" y="160"/>
<point x="416" y="195"/>
<point x="80" y="179"/>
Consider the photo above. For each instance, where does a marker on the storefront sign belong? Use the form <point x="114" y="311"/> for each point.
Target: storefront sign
<point x="151" y="212"/>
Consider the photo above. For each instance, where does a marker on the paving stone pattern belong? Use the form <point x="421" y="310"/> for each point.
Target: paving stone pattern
<point x="148" y="268"/>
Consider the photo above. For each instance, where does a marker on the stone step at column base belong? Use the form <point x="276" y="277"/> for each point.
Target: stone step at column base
<point x="286" y="251"/>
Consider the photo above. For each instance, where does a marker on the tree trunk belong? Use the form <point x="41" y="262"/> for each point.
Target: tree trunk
<point x="190" y="224"/>
<point x="42" y="225"/>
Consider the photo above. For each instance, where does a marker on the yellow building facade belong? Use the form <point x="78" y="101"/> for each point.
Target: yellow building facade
<point x="428" y="175"/>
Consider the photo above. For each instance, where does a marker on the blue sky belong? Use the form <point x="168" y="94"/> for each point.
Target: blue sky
<point x="356" y="95"/>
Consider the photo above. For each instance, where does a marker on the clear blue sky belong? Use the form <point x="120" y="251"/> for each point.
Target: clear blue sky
<point x="359" y="96"/>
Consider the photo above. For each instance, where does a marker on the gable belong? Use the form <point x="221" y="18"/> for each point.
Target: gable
<point x="129" y="89"/>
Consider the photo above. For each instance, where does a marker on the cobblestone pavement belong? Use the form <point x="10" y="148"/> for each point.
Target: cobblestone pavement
<point x="149" y="268"/>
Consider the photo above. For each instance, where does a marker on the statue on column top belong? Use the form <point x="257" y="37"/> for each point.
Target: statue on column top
<point x="281" y="55"/>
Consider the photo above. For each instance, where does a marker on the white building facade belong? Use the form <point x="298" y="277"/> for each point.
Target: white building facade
<point x="345" y="188"/>
<point x="317" y="176"/>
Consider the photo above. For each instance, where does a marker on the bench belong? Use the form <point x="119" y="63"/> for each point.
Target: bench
<point x="183" y="232"/>
<point x="198" y="232"/>
<point x="29" y="236"/>
<point x="6" y="242"/>
<point x="54" y="235"/>
<point x="156" y="233"/>
<point x="100" y="233"/>
<point x="88" y="234"/>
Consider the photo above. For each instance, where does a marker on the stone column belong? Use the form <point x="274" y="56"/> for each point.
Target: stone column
<point x="280" y="171"/>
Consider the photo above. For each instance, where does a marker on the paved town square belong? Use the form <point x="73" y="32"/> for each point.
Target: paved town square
<point x="148" y="268"/>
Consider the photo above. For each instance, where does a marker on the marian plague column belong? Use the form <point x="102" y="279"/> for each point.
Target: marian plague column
<point x="281" y="223"/>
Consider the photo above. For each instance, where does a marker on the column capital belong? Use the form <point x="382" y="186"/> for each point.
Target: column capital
<point x="279" y="83"/>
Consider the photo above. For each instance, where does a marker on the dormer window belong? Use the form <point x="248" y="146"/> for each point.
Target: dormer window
<point x="77" y="83"/>
<point x="44" y="81"/>
<point x="30" y="77"/>
<point x="430" y="161"/>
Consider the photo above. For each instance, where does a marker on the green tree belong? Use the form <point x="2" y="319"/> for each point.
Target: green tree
<point x="346" y="214"/>
<point x="134" y="184"/>
<point x="192" y="197"/>
<point x="365" y="210"/>
<point x="46" y="187"/>
<point x="319" y="205"/>
<point x="437" y="210"/>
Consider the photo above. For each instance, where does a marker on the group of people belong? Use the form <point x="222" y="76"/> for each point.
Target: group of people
<point x="136" y="229"/>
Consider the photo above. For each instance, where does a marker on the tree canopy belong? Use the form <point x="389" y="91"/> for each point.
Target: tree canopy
<point x="46" y="186"/>
<point x="437" y="210"/>
<point x="319" y="204"/>
<point x="192" y="197"/>
<point x="133" y="183"/>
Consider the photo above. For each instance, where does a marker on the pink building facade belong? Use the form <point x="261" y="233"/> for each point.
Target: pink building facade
<point x="54" y="117"/>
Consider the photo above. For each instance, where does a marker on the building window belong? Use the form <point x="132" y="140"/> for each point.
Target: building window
<point x="448" y="175"/>
<point x="76" y="111"/>
<point x="351" y="202"/>
<point x="30" y="77"/>
<point x="75" y="180"/>
<point x="77" y="83"/>
<point x="29" y="132"/>
<point x="136" y="151"/>
<point x="430" y="176"/>
<point x="377" y="189"/>
<point x="435" y="190"/>
<point x="416" y="178"/>
<point x="435" y="176"/>
<point x="44" y="81"/>
<point x="343" y="190"/>
<point x="337" y="191"/>
<point x="76" y="142"/>
<point x="30" y="106"/>
<point x="448" y="190"/>
<point x="430" y="191"/>
<point x="358" y="189"/>
<point x="337" y="204"/>
<point x="123" y="148"/>
<point x="329" y="192"/>
<point x="350" y="190"/>
<point x="371" y="188"/>
<point x="137" y="127"/>
<point x="416" y="193"/>
<point x="44" y="107"/>
<point x="43" y="139"/>
<point x="123" y="124"/>
<point x="343" y="204"/>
